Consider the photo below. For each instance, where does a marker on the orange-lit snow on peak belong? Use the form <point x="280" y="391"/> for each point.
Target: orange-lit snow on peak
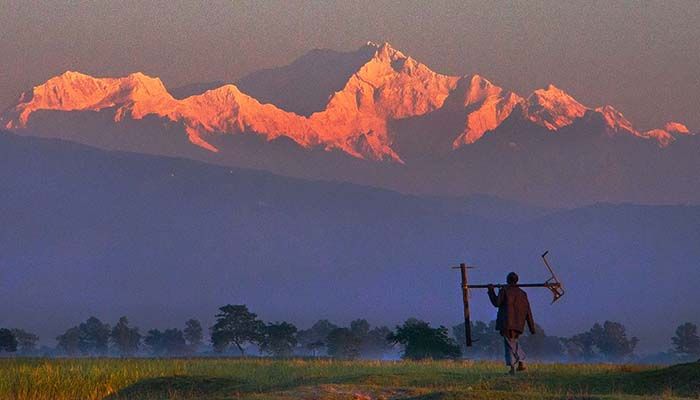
<point x="71" y="91"/>
<point x="553" y="108"/>
<point x="615" y="121"/>
<point x="667" y="135"/>
<point x="676" y="127"/>
<point x="389" y="86"/>
<point x="228" y="110"/>
<point x="488" y="106"/>
<point x="663" y="137"/>
<point x="223" y="110"/>
<point x="479" y="90"/>
<point x="471" y="90"/>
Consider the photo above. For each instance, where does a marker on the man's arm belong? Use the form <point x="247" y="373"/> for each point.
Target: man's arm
<point x="528" y="317"/>
<point x="495" y="300"/>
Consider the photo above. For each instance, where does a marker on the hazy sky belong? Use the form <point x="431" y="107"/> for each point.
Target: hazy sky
<point x="642" y="57"/>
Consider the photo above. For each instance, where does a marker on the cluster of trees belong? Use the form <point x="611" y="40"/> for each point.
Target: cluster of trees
<point x="607" y="342"/>
<point x="421" y="341"/>
<point x="18" y="340"/>
<point x="686" y="342"/>
<point x="95" y="338"/>
<point x="237" y="329"/>
<point x="603" y="342"/>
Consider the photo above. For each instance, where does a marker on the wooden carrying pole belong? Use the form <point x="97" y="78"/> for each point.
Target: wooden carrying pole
<point x="465" y="299"/>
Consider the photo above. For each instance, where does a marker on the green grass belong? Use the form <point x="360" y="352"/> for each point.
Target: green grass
<point x="114" y="379"/>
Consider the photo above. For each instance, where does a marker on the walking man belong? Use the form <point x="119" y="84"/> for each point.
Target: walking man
<point x="513" y="312"/>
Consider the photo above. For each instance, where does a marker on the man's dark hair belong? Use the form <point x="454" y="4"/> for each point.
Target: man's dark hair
<point x="512" y="278"/>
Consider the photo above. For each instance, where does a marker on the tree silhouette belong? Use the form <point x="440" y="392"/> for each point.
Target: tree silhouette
<point x="359" y="328"/>
<point x="359" y="339"/>
<point x="26" y="341"/>
<point x="314" y="338"/>
<point x="125" y="338"/>
<point x="8" y="341"/>
<point x="375" y="343"/>
<point x="488" y="343"/>
<point x="612" y="340"/>
<point x="541" y="346"/>
<point x="279" y="339"/>
<point x="69" y="341"/>
<point x="89" y="338"/>
<point x="236" y="325"/>
<point x="608" y="341"/>
<point x="315" y="347"/>
<point x="193" y="334"/>
<point x="686" y="342"/>
<point x="94" y="337"/>
<point x="420" y="341"/>
<point x="581" y="346"/>
<point x="342" y="343"/>
<point x="170" y="342"/>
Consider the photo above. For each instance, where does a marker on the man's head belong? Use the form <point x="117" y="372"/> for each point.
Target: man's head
<point x="512" y="278"/>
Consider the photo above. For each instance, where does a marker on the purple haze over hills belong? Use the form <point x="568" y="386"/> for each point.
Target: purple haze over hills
<point x="90" y="232"/>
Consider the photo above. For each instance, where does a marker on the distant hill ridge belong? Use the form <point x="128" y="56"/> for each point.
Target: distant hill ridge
<point x="162" y="239"/>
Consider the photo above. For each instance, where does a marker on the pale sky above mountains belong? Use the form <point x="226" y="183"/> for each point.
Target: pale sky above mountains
<point x="641" y="57"/>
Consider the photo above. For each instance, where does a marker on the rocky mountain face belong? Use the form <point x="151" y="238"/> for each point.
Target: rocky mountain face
<point x="373" y="116"/>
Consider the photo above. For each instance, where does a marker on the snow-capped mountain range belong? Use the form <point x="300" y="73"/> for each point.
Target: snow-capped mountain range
<point x="357" y="115"/>
<point x="375" y="116"/>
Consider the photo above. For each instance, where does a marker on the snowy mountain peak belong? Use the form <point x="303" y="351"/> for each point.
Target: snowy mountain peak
<point x="224" y="92"/>
<point x="553" y="108"/>
<point x="479" y="89"/>
<point x="553" y="96"/>
<point x="385" y="48"/>
<point x="72" y="91"/>
<point x="667" y="135"/>
<point x="677" y="128"/>
<point x="487" y="106"/>
<point x="73" y="75"/>
<point x="660" y="135"/>
<point x="389" y="86"/>
<point x="616" y="122"/>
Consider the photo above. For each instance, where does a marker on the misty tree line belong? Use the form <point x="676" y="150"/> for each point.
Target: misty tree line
<point x="606" y="342"/>
<point x="237" y="330"/>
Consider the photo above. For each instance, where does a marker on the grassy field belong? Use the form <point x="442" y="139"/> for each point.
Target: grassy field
<point x="88" y="379"/>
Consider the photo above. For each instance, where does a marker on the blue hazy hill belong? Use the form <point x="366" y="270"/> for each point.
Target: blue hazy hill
<point x="94" y="232"/>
